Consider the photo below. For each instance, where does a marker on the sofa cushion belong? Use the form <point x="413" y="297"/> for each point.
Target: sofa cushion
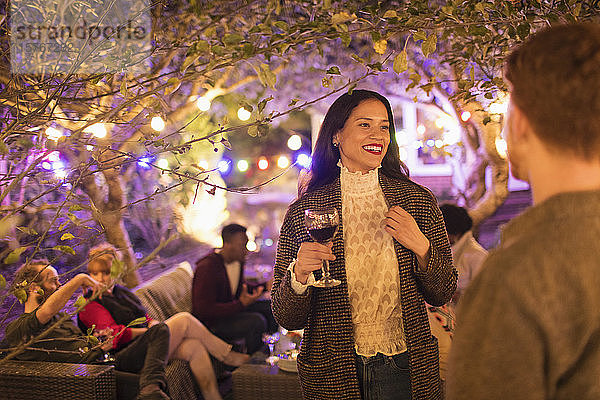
<point x="169" y="293"/>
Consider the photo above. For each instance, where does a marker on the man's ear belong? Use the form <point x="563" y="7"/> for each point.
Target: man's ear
<point x="521" y="128"/>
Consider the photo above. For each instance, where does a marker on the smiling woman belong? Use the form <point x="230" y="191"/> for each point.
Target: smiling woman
<point x="369" y="336"/>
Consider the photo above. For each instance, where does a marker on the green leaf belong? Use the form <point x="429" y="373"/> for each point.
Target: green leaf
<point x="523" y="30"/>
<point x="172" y="85"/>
<point x="390" y="14"/>
<point x="266" y="76"/>
<point x="75" y="207"/>
<point x="401" y="62"/>
<point x="253" y="130"/>
<point x="2" y="282"/>
<point x="263" y="129"/>
<point x="91" y="329"/>
<point x="137" y="321"/>
<point x="232" y="39"/>
<point x="334" y="70"/>
<point x="429" y="45"/>
<point x="63" y="225"/>
<point x="27" y="230"/>
<point x="116" y="268"/>
<point x="263" y="103"/>
<point x="419" y="35"/>
<point x="65" y="249"/>
<point x="21" y="295"/>
<point x="380" y="46"/>
<point x="80" y="302"/>
<point x="282" y="25"/>
<point x="123" y="88"/>
<point x="3" y="148"/>
<point x="346" y="39"/>
<point x="92" y="340"/>
<point x="14" y="255"/>
<point x="293" y="102"/>
<point x="351" y="88"/>
<point x="67" y="236"/>
<point x="201" y="47"/>
<point x="341" y="18"/>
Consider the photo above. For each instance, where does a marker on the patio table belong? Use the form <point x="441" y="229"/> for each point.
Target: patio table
<point x="265" y="382"/>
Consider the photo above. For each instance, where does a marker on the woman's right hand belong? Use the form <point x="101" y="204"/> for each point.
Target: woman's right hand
<point x="310" y="258"/>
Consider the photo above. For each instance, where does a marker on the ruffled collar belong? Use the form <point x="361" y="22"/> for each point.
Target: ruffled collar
<point x="358" y="182"/>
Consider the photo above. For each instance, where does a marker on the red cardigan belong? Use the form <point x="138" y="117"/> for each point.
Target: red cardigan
<point x="211" y="292"/>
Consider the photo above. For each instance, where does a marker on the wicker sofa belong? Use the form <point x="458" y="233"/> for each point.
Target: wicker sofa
<point x="163" y="297"/>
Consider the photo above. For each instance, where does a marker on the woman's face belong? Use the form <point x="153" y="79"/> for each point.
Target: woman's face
<point x="364" y="139"/>
<point x="99" y="273"/>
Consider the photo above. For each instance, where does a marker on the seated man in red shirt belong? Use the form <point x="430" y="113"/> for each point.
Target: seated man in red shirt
<point x="223" y="301"/>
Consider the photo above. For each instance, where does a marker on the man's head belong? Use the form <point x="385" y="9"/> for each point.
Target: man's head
<point x="457" y="221"/>
<point x="555" y="95"/>
<point x="38" y="274"/>
<point x="234" y="243"/>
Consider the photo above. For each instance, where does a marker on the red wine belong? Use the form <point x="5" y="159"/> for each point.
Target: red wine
<point x="323" y="235"/>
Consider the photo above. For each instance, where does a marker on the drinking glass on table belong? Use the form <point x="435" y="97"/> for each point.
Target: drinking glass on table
<point x="270" y="341"/>
<point x="322" y="226"/>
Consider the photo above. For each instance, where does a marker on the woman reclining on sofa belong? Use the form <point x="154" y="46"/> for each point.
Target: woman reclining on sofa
<point x="190" y="339"/>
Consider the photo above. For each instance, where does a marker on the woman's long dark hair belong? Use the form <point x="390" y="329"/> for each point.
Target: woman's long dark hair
<point x="324" y="169"/>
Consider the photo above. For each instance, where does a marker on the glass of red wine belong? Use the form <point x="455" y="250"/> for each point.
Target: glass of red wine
<point x="322" y="226"/>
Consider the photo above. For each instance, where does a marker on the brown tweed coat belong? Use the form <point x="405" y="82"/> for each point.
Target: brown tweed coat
<point x="326" y="362"/>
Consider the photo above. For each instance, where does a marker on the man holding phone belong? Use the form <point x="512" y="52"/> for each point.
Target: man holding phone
<point x="230" y="307"/>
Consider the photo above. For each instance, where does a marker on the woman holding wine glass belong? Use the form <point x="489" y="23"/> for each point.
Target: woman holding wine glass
<point x="360" y="297"/>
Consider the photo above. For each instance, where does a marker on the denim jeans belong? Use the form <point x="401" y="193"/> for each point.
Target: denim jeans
<point x="249" y="324"/>
<point x="384" y="377"/>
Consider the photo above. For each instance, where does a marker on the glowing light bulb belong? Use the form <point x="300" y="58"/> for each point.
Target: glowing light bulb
<point x="401" y="138"/>
<point x="268" y="242"/>
<point x="157" y="123"/>
<point x="243" y="114"/>
<point x="224" y="166"/>
<point x="203" y="104"/>
<point x="89" y="147"/>
<point x="98" y="130"/>
<point x="501" y="147"/>
<point x="242" y="165"/>
<point x="54" y="156"/>
<point x="53" y="133"/>
<point x="498" y="108"/>
<point x="304" y="160"/>
<point x="294" y="142"/>
<point x="465" y="116"/>
<point x="203" y="164"/>
<point x="283" y="162"/>
<point x="421" y="129"/>
<point x="163" y="163"/>
<point x="263" y="163"/>
<point x="251" y="245"/>
<point x="451" y="137"/>
<point x="439" y="143"/>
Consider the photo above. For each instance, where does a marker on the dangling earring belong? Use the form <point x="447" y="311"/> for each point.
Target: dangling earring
<point x="335" y="144"/>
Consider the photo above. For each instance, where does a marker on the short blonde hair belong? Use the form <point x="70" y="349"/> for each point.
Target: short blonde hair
<point x="102" y="255"/>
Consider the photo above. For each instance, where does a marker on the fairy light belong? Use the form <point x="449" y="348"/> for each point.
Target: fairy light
<point x="98" y="130"/>
<point x="294" y="142"/>
<point x="157" y="123"/>
<point x="203" y="103"/>
<point x="465" y="116"/>
<point x="53" y="133"/>
<point x="283" y="162"/>
<point x="243" y="114"/>
<point x="163" y="163"/>
<point x="242" y="165"/>
<point x="501" y="147"/>
<point x="263" y="163"/>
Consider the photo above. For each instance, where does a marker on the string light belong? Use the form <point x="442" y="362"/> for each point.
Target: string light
<point x="498" y="108"/>
<point x="401" y="138"/>
<point x="283" y="162"/>
<point x="224" y="166"/>
<point x="501" y="147"/>
<point x="243" y="114"/>
<point x="465" y="116"/>
<point x="251" y="245"/>
<point x="98" y="130"/>
<point x="242" y="165"/>
<point x="421" y="129"/>
<point x="203" y="103"/>
<point x="304" y="160"/>
<point x="157" y="123"/>
<point x="53" y="133"/>
<point x="163" y="163"/>
<point x="263" y="163"/>
<point x="294" y="142"/>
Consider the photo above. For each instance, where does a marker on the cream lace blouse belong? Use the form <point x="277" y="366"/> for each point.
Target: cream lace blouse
<point x="371" y="266"/>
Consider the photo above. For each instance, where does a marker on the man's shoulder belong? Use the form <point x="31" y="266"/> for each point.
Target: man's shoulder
<point x="23" y="326"/>
<point x="210" y="262"/>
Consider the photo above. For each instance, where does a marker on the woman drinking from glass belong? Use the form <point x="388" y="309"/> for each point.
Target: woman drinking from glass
<point x="369" y="336"/>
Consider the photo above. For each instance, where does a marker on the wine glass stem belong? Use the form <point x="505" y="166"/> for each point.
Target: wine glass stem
<point x="326" y="269"/>
<point x="271" y="348"/>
